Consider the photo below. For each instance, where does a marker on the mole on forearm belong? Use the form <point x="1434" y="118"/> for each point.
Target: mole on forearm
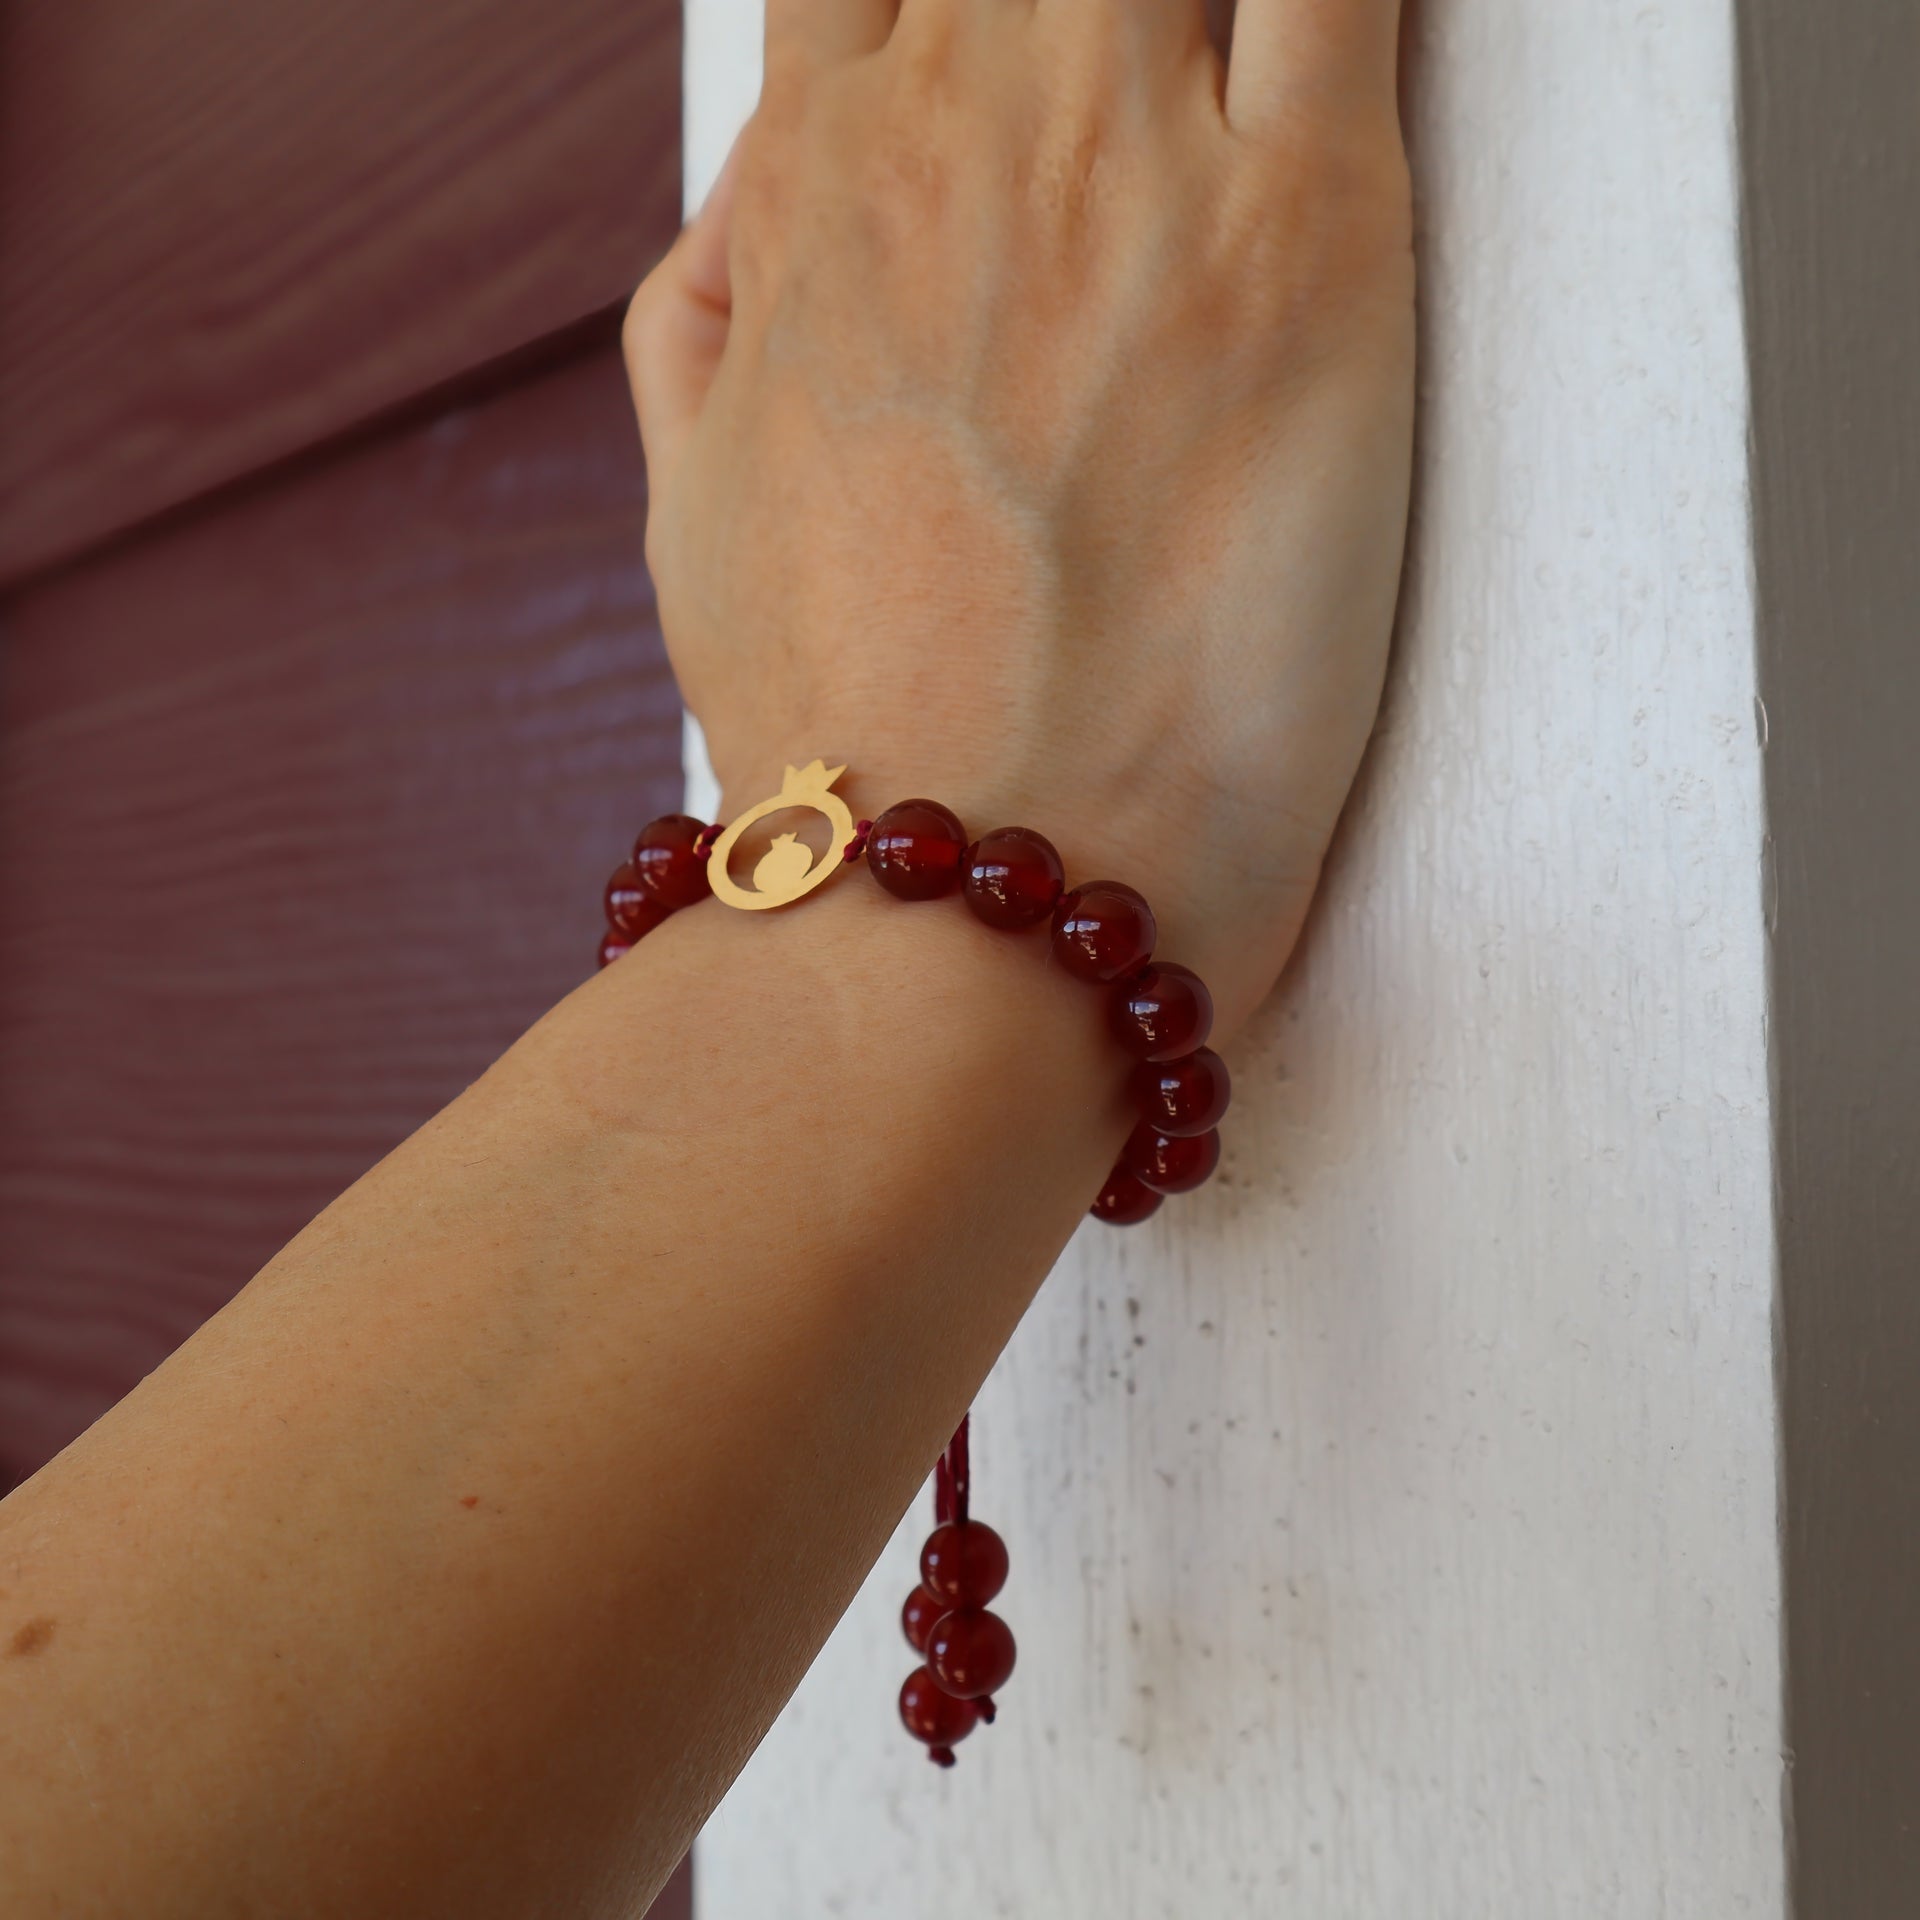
<point x="32" y="1635"/>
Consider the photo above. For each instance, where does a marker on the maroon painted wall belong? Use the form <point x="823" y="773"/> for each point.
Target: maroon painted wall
<point x="232" y="228"/>
<point x="330" y="683"/>
<point x="305" y="805"/>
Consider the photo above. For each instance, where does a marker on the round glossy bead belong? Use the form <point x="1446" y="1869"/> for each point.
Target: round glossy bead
<point x="632" y="912"/>
<point x="1169" y="1165"/>
<point x="1183" y="1097"/>
<point x="1123" y="1201"/>
<point x="1103" y="931"/>
<point x="933" y="1715"/>
<point x="1164" y="1011"/>
<point x="612" y="947"/>
<point x="669" y="863"/>
<point x="918" y="1615"/>
<point x="963" y="1563"/>
<point x="915" y="850"/>
<point x="971" y="1653"/>
<point x="1013" y="878"/>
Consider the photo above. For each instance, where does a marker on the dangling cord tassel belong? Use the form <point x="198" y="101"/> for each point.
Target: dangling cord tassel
<point x="968" y="1651"/>
<point x="957" y="1466"/>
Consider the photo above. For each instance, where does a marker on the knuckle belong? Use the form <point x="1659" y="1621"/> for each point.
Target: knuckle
<point x="1318" y="223"/>
<point x="637" y="325"/>
<point x="912" y="186"/>
<point x="786" y="95"/>
<point x="764" y="172"/>
<point x="924" y="64"/>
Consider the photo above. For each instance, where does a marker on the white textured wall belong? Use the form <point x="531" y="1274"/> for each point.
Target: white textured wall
<point x="1393" y="1525"/>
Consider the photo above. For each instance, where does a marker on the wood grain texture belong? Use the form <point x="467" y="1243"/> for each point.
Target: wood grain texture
<point x="1832" y="143"/>
<point x="234" y="229"/>
<point x="304" y="812"/>
<point x="1393" y="1524"/>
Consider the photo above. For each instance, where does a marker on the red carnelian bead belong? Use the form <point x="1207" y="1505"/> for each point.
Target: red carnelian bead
<point x="612" y="947"/>
<point x="918" y="1615"/>
<point x="669" y="863"/>
<point x="632" y="912"/>
<point x="1102" y="931"/>
<point x="915" y="850"/>
<point x="1163" y="1012"/>
<point x="1123" y="1201"/>
<point x="1183" y="1097"/>
<point x="1170" y="1165"/>
<point x="970" y="1653"/>
<point x="964" y="1563"/>
<point x="933" y="1715"/>
<point x="1013" y="878"/>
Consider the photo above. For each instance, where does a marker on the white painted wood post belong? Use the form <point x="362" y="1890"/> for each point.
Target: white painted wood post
<point x="1394" y="1530"/>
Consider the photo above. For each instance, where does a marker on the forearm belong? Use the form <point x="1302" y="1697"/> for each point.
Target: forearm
<point x="447" y="1547"/>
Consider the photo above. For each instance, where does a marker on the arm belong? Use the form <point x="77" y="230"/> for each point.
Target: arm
<point x="1029" y="429"/>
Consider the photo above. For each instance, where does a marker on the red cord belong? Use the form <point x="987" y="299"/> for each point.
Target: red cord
<point x="960" y="1468"/>
<point x="953" y="1477"/>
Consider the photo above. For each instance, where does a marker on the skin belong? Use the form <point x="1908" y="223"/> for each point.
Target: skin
<point x="1028" y="417"/>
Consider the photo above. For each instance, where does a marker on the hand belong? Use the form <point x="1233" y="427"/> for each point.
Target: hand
<point x="1029" y="416"/>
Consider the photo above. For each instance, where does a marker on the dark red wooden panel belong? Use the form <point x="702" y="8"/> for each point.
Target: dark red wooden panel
<point x="230" y="229"/>
<point x="305" y="806"/>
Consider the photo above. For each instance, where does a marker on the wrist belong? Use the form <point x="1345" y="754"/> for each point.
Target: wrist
<point x="1101" y="935"/>
<point x="1155" y="835"/>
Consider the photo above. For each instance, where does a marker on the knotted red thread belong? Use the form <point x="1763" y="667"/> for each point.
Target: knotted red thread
<point x="858" y="844"/>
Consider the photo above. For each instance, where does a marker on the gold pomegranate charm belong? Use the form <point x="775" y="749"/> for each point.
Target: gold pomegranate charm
<point x="787" y="871"/>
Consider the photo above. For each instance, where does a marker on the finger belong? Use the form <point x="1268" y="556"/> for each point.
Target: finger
<point x="1154" y="37"/>
<point x="677" y="328"/>
<point x="1286" y="53"/>
<point x="818" y="33"/>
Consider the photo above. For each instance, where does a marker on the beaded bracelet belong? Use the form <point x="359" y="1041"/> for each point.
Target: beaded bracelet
<point x="1102" y="933"/>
